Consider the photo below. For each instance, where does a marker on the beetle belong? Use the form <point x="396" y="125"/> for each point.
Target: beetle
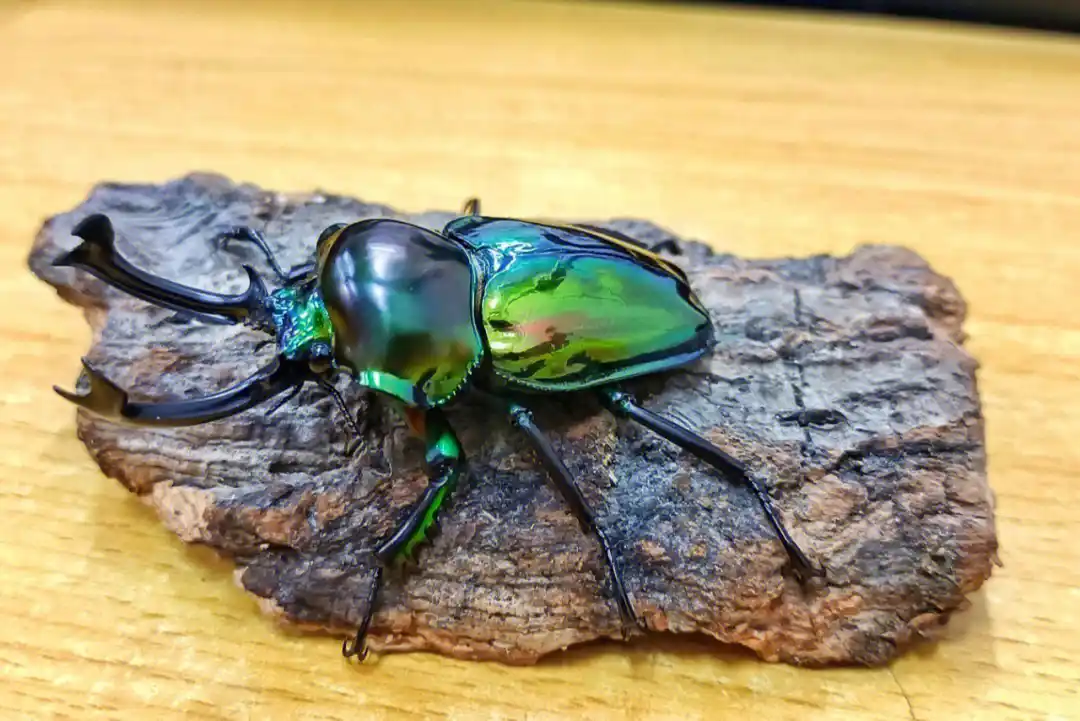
<point x="509" y="308"/>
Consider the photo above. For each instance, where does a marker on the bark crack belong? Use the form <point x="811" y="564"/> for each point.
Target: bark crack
<point x="800" y="380"/>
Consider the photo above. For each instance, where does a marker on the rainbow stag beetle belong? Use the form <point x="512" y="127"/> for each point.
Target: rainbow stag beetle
<point x="504" y="306"/>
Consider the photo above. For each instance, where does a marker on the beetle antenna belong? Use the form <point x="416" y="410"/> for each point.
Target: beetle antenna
<point x="336" y="395"/>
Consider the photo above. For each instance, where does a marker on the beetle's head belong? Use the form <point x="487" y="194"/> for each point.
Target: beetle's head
<point x="294" y="315"/>
<point x="302" y="327"/>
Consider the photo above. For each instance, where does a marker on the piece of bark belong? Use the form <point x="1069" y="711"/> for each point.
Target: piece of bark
<point x="840" y="381"/>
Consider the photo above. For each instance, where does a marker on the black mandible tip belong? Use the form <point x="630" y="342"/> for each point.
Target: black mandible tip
<point x="97" y="233"/>
<point x="104" y="398"/>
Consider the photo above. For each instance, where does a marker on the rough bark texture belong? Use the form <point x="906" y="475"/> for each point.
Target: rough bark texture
<point x="841" y="381"/>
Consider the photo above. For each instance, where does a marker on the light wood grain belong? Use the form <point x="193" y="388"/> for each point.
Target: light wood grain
<point x="764" y="134"/>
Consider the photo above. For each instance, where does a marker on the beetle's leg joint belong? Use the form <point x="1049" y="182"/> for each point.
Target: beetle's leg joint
<point x="520" y="416"/>
<point x="618" y="401"/>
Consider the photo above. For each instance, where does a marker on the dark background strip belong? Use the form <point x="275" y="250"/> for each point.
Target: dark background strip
<point x="1056" y="15"/>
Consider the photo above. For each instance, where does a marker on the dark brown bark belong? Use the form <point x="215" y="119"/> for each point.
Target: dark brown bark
<point x="841" y="381"/>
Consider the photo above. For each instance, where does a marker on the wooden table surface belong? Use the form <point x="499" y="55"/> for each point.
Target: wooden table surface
<point x="765" y="134"/>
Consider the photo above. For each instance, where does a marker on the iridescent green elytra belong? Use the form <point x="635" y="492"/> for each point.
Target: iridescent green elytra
<point x="566" y="307"/>
<point x="508" y="307"/>
<point x="561" y="308"/>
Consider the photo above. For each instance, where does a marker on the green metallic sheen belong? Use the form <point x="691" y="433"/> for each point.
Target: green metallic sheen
<point x="389" y="384"/>
<point x="412" y="313"/>
<point x="300" y="319"/>
<point x="402" y="302"/>
<point x="566" y="307"/>
<point x="408" y="551"/>
<point x="443" y="450"/>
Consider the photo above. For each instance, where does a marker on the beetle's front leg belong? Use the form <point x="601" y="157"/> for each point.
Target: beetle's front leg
<point x="247" y="234"/>
<point x="445" y="463"/>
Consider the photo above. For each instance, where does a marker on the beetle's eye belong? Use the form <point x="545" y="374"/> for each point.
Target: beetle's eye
<point x="320" y="357"/>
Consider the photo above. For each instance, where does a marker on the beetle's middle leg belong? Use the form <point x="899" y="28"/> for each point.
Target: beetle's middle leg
<point x="562" y="479"/>
<point x="445" y="463"/>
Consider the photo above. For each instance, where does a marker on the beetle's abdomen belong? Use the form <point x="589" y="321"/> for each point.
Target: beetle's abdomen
<point x="402" y="302"/>
<point x="565" y="308"/>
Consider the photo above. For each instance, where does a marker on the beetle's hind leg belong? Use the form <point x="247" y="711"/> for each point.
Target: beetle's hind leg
<point x="560" y="476"/>
<point x="666" y="246"/>
<point x="661" y="246"/>
<point x="471" y="207"/>
<point x="247" y="234"/>
<point x="624" y="405"/>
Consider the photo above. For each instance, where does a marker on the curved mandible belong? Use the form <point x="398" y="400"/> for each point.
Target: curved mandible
<point x="108" y="400"/>
<point x="98" y="256"/>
